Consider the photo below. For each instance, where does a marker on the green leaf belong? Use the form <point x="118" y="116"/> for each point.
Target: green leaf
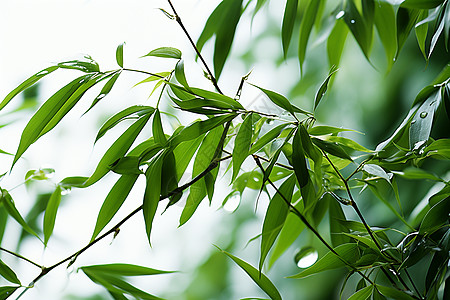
<point x="406" y="19"/>
<point x="41" y="174"/>
<point x="336" y="42"/>
<point x="377" y="171"/>
<point x="128" y="165"/>
<point x="158" y="132"/>
<point x="324" y="130"/>
<point x="331" y="148"/>
<point x="347" y="252"/>
<point x="362" y="294"/>
<point x="117" y="150"/>
<point x="86" y="64"/>
<point x="299" y="160"/>
<point x="267" y="138"/>
<point x="275" y="217"/>
<point x="393" y="293"/>
<point x="436" y="217"/>
<point x="157" y="76"/>
<point x="76" y="181"/>
<point x="198" y="191"/>
<point x="260" y="279"/>
<point x="169" y="179"/>
<point x="360" y="27"/>
<point x="165" y="52"/>
<point x="124" y="270"/>
<point x="385" y="24"/>
<point x="106" y="89"/>
<point x="113" y="202"/>
<point x="346" y="143"/>
<point x="422" y="121"/>
<point x="6" y="291"/>
<point x="290" y="13"/>
<point x="421" y="29"/>
<point x="337" y="228"/>
<point x="184" y="153"/>
<point x="306" y="25"/>
<point x="416" y="173"/>
<point x="8" y="274"/>
<point x="421" y="4"/>
<point x="132" y="112"/>
<point x="322" y="90"/>
<point x="179" y="74"/>
<point x="9" y="205"/>
<point x="152" y="192"/>
<point x="225" y="35"/>
<point x="26" y="84"/>
<point x="242" y="144"/>
<point x="119" y="55"/>
<point x="50" y="213"/>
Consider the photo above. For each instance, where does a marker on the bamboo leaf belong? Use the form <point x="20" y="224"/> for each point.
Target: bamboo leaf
<point x="105" y="90"/>
<point x="362" y="294"/>
<point x="158" y="132"/>
<point x="322" y="90"/>
<point x="50" y="213"/>
<point x="165" y="52"/>
<point x="385" y="22"/>
<point x="336" y="42"/>
<point x="6" y="291"/>
<point x="422" y="4"/>
<point x="267" y="138"/>
<point x="406" y="19"/>
<point x="8" y="274"/>
<point x="179" y="74"/>
<point x="306" y="26"/>
<point x="360" y="27"/>
<point x="260" y="279"/>
<point x="124" y="270"/>
<point x="119" y="55"/>
<point x="436" y="217"/>
<point x="290" y="13"/>
<point x="242" y="144"/>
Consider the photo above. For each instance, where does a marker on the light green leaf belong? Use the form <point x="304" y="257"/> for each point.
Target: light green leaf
<point x="117" y="150"/>
<point x="124" y="270"/>
<point x="336" y="42"/>
<point x="8" y="274"/>
<point x="184" y="153"/>
<point x="322" y="90"/>
<point x="377" y="171"/>
<point x="158" y="132"/>
<point x="347" y="252"/>
<point x="385" y="24"/>
<point x="128" y="165"/>
<point x="308" y="20"/>
<point x="165" y="52"/>
<point x="9" y="205"/>
<point x="113" y="202"/>
<point x="275" y="217"/>
<point x="157" y="76"/>
<point x="242" y="144"/>
<point x="267" y="138"/>
<point x="324" y="130"/>
<point x="86" y="64"/>
<point x="393" y="293"/>
<point x="106" y="89"/>
<point x="152" y="192"/>
<point x="179" y="74"/>
<point x="436" y="217"/>
<point x="260" y="279"/>
<point x="132" y="112"/>
<point x="119" y="55"/>
<point x="290" y="13"/>
<point x="422" y="4"/>
<point x="50" y="213"/>
<point x="362" y="294"/>
<point x="347" y="143"/>
<point x="26" y="84"/>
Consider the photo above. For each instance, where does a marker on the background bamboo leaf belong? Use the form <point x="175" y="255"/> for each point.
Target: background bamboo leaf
<point x="50" y="213"/>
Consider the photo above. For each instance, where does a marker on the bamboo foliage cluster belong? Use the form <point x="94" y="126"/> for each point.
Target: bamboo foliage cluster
<point x="309" y="171"/>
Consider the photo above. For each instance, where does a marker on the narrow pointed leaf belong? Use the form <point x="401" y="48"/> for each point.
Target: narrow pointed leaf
<point x="309" y="17"/>
<point x="179" y="74"/>
<point x="8" y="274"/>
<point x="361" y="30"/>
<point x="422" y="4"/>
<point x="393" y="293"/>
<point x="385" y="24"/>
<point x="362" y="294"/>
<point x="290" y="13"/>
<point x="158" y="132"/>
<point x="6" y="291"/>
<point x="267" y="138"/>
<point x="336" y="42"/>
<point x="322" y="90"/>
<point x="86" y="64"/>
<point x="124" y="270"/>
<point x="421" y="29"/>
<point x="436" y="217"/>
<point x="406" y="19"/>
<point x="260" y="279"/>
<point x="50" y="213"/>
<point x="165" y="52"/>
<point x="119" y="55"/>
<point x="242" y="144"/>
<point x="105" y="90"/>
<point x="421" y="124"/>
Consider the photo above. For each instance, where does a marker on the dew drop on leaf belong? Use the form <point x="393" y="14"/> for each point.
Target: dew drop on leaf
<point x="423" y="114"/>
<point x="352" y="21"/>
<point x="413" y="121"/>
<point x="306" y="257"/>
<point x="42" y="73"/>
<point x="340" y="15"/>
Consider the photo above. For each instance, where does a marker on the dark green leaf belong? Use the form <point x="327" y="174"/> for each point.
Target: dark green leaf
<point x="393" y="293"/>
<point x="421" y="30"/>
<point x="331" y="148"/>
<point x="158" y="132"/>
<point x="290" y="13"/>
<point x="6" y="291"/>
<point x="421" y="4"/>
<point x="50" y="213"/>
<point x="436" y="217"/>
<point x="8" y="274"/>
<point x="322" y="90"/>
<point x="128" y="165"/>
<point x="165" y="52"/>
<point x="275" y="217"/>
<point x="26" y="84"/>
<point x="337" y="228"/>
<point x="117" y="150"/>
<point x="113" y="202"/>
<point x="347" y="252"/>
<point x="406" y="19"/>
<point x="119" y="55"/>
<point x="179" y="74"/>
<point x="260" y="279"/>
<point x="184" y="153"/>
<point x="362" y="294"/>
<point x="360" y="27"/>
<point x="132" y="112"/>
<point x="242" y="144"/>
<point x="324" y="130"/>
<point x="308" y="20"/>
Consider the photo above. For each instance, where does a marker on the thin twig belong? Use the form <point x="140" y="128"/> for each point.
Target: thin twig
<point x="21" y="257"/>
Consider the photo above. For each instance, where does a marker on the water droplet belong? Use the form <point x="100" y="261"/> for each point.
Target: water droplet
<point x="423" y="114"/>
<point x="340" y="14"/>
<point x="42" y="73"/>
<point x="306" y="257"/>
<point x="232" y="203"/>
<point x="352" y="21"/>
<point x="394" y="59"/>
<point x="413" y="121"/>
<point x="101" y="96"/>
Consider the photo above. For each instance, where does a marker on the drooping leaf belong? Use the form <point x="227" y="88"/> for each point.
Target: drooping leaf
<point x="337" y="228"/>
<point x="85" y="64"/>
<point x="132" y="112"/>
<point x="105" y="90"/>
<point x="422" y="121"/>
<point x="275" y="217"/>
<point x="306" y="26"/>
<point x="331" y="148"/>
<point x="290" y="13"/>
<point x="124" y="270"/>
<point x="242" y="144"/>
<point x="119" y="55"/>
<point x="50" y="213"/>
<point x="179" y="74"/>
<point x="362" y="294"/>
<point x="347" y="252"/>
<point x="393" y="293"/>
<point x="406" y="19"/>
<point x="184" y="153"/>
<point x="360" y="26"/>
<point x="117" y="150"/>
<point x="324" y="130"/>
<point x="165" y="52"/>
<point x="152" y="192"/>
<point x="322" y="90"/>
<point x="436" y="217"/>
<point x="336" y="42"/>
<point x="158" y="132"/>
<point x="260" y="279"/>
<point x="156" y="76"/>
<point x="267" y="138"/>
<point x="421" y="4"/>
<point x="113" y="202"/>
<point x="8" y="274"/>
<point x="385" y="24"/>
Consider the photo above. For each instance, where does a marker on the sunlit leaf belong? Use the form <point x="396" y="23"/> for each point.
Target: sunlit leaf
<point x="105" y="90"/>
<point x="322" y="90"/>
<point x="260" y="279"/>
<point x="113" y="202"/>
<point x="158" y="132"/>
<point x="119" y="55"/>
<point x="124" y="270"/>
<point x="347" y="252"/>
<point x="242" y="144"/>
<point x="50" y="213"/>
<point x="290" y="13"/>
<point x="267" y="138"/>
<point x="385" y="24"/>
<point x="275" y="217"/>
<point x="179" y="73"/>
<point x="336" y="42"/>
<point x="8" y="274"/>
<point x="377" y="171"/>
<point x="165" y="52"/>
<point x="306" y="25"/>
